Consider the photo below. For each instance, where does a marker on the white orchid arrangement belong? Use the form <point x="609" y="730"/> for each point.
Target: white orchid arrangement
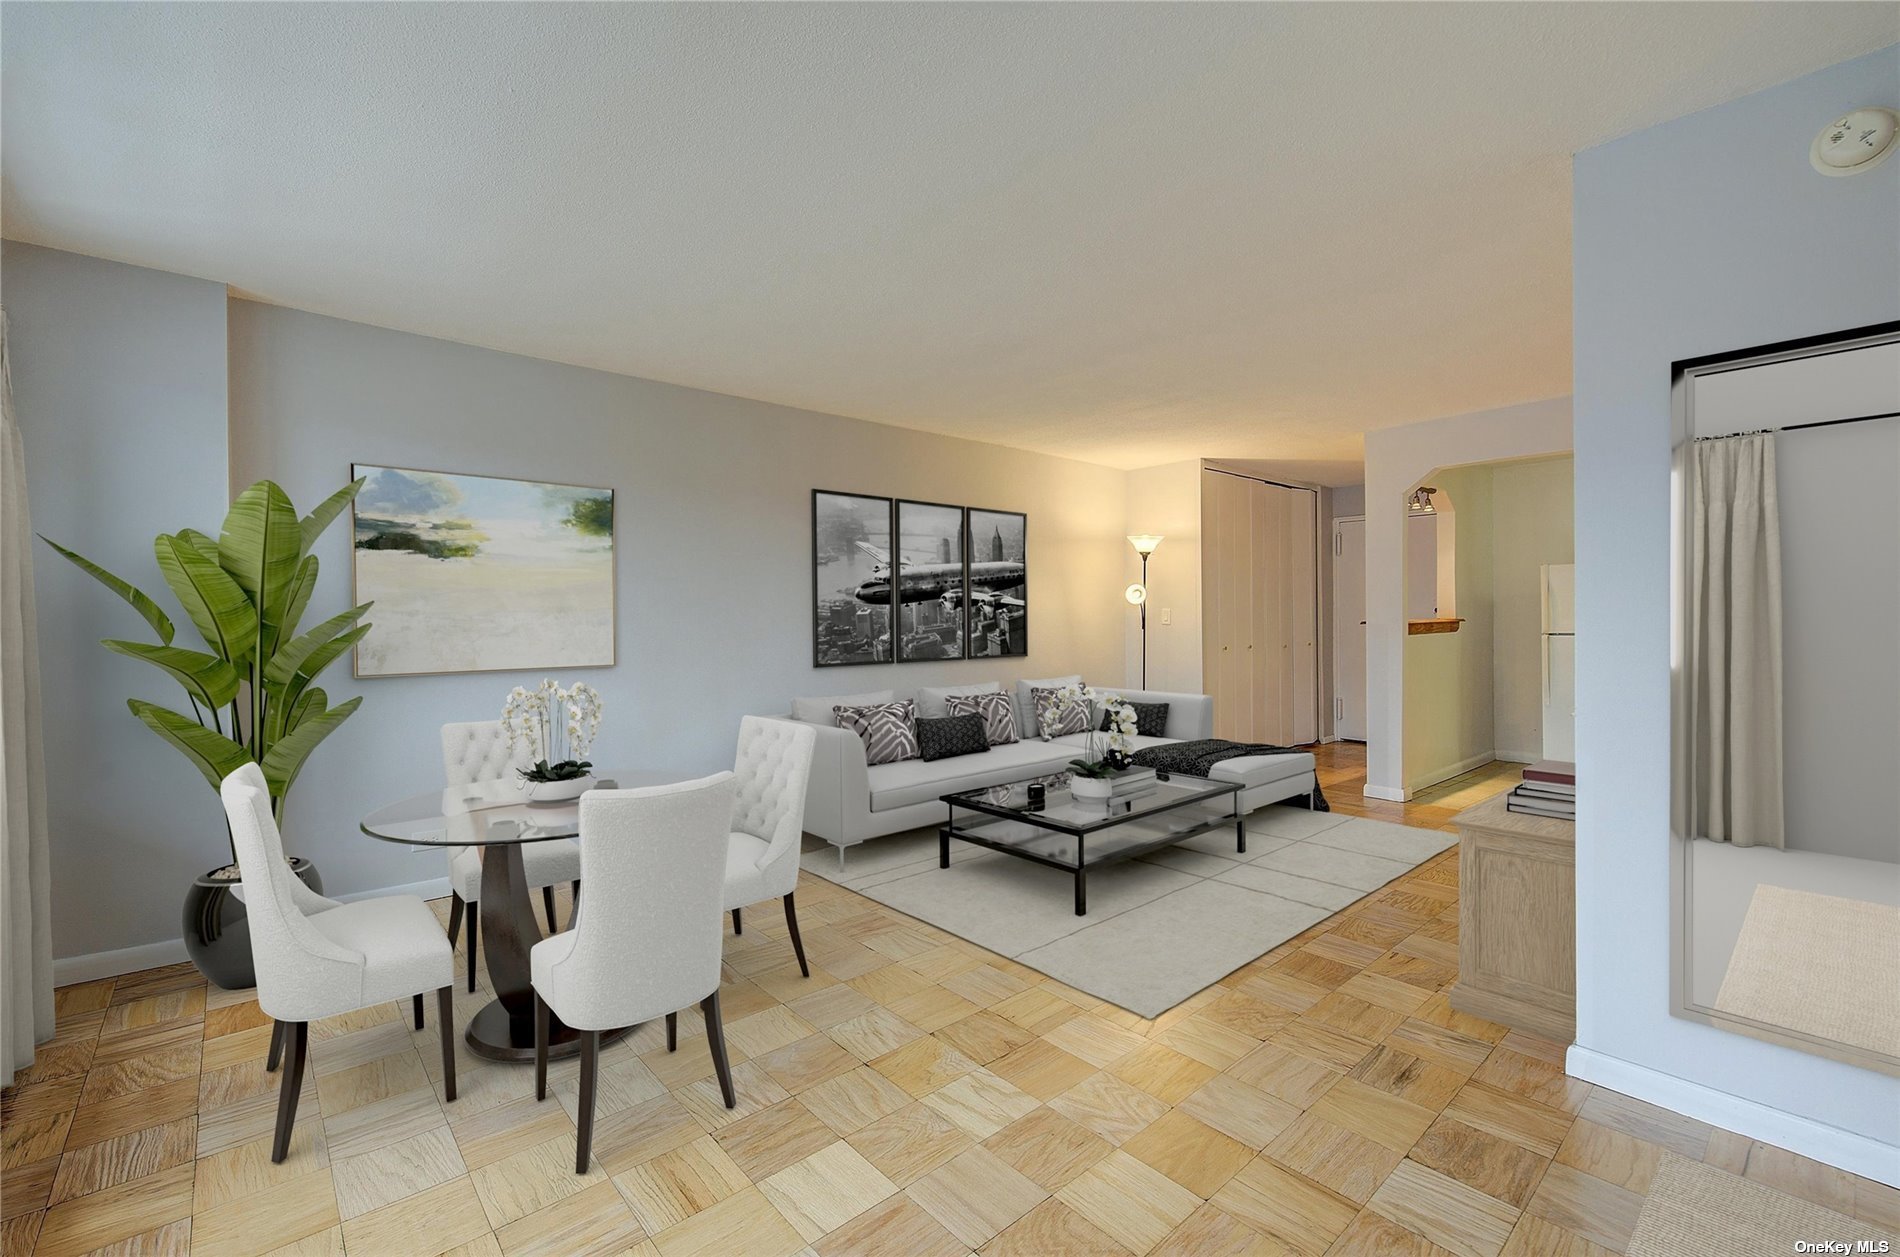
<point x="558" y="725"/>
<point x="1108" y="750"/>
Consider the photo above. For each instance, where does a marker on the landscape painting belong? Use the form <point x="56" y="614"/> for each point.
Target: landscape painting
<point x="999" y="584"/>
<point x="482" y="574"/>
<point x="851" y="579"/>
<point x="929" y="581"/>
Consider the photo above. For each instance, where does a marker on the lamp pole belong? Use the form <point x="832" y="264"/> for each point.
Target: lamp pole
<point x="1144" y="544"/>
<point x="1144" y="624"/>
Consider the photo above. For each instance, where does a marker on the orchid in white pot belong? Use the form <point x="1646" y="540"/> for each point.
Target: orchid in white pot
<point x="1108" y="749"/>
<point x="558" y="727"/>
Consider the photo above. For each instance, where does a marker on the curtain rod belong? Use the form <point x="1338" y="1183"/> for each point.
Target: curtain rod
<point x="1799" y="427"/>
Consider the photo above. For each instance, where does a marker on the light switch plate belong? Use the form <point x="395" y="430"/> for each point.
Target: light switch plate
<point x="1167" y="615"/>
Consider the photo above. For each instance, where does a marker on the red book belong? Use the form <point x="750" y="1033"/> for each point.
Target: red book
<point x="1563" y="772"/>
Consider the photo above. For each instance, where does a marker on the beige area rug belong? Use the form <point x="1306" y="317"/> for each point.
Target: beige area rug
<point x="1820" y="964"/>
<point x="1160" y="927"/>
<point x="1696" y="1208"/>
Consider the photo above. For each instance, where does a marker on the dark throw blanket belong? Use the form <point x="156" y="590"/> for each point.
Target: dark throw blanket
<point x="1195" y="759"/>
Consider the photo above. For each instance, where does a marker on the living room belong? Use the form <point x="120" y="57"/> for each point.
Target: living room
<point x="861" y="355"/>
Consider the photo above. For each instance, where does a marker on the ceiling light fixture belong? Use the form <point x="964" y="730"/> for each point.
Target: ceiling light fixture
<point x="1855" y="142"/>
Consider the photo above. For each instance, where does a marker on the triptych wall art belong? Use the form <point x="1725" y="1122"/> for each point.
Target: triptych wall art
<point x="482" y="574"/>
<point x="904" y="581"/>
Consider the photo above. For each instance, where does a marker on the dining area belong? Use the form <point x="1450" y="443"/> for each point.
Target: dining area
<point x="636" y="875"/>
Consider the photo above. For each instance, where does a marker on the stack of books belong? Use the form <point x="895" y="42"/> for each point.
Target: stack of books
<point x="1549" y="789"/>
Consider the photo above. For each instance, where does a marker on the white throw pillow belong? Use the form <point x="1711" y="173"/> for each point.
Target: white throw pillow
<point x="817" y="711"/>
<point x="1026" y="706"/>
<point x="930" y="704"/>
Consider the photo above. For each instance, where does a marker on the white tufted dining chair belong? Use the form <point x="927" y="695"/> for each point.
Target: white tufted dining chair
<point x="477" y="750"/>
<point x="316" y="957"/>
<point x="768" y="819"/>
<point x="648" y="943"/>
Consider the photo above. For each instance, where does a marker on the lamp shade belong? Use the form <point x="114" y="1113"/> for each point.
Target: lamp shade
<point x="1144" y="543"/>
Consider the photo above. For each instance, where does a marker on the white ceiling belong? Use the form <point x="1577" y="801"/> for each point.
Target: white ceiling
<point x="1125" y="233"/>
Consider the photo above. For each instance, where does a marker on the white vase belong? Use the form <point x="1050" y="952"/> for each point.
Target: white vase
<point x="558" y="791"/>
<point x="1098" y="789"/>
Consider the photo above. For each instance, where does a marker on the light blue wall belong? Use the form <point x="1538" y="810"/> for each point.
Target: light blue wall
<point x="119" y="381"/>
<point x="1706" y="234"/>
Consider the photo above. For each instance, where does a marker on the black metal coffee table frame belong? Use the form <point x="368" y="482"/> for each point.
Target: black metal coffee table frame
<point x="1193" y="790"/>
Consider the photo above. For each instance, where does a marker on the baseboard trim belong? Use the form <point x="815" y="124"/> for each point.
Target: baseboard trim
<point x="1458" y="769"/>
<point x="110" y="964"/>
<point x="1518" y="757"/>
<point x="1389" y="793"/>
<point x="1843" y="1149"/>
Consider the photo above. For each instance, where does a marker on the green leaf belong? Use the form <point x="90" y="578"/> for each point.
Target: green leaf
<point x="301" y="587"/>
<point x="316" y="521"/>
<point x="312" y="702"/>
<point x="289" y="659"/>
<point x="206" y="678"/>
<point x="213" y="600"/>
<point x="207" y="546"/>
<point x="260" y="546"/>
<point x="326" y="654"/>
<point x="215" y="756"/>
<point x="154" y="616"/>
<point x="285" y="760"/>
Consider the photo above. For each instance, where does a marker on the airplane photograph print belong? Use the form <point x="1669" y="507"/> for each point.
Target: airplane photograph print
<point x="998" y="584"/>
<point x="911" y="581"/>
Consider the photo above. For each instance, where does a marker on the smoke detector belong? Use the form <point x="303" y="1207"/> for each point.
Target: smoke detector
<point x="1855" y="142"/>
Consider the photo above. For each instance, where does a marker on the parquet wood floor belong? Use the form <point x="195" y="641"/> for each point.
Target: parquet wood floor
<point x="916" y="1095"/>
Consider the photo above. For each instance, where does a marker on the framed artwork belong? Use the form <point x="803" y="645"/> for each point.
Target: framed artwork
<point x="851" y="583"/>
<point x="998" y="547"/>
<point x="477" y="573"/>
<point x="930" y="581"/>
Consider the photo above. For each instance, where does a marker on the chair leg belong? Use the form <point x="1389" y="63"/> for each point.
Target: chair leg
<point x="474" y="939"/>
<point x="540" y="1047"/>
<point x="276" y="1047"/>
<point x="737" y="928"/>
<point x="590" y="1071"/>
<point x="416" y="1007"/>
<point x="455" y="917"/>
<point x="798" y="944"/>
<point x="547" y="901"/>
<point x="716" y="1039"/>
<point x="672" y="1032"/>
<point x="298" y="1032"/>
<point x="445" y="1001"/>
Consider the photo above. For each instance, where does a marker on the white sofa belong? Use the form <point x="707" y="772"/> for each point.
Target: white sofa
<point x="851" y="802"/>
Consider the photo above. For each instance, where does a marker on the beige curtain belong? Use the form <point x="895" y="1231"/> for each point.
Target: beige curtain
<point x="26" y="932"/>
<point x="1734" y="659"/>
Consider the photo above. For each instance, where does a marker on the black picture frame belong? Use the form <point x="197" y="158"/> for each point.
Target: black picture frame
<point x="849" y="629"/>
<point x="997" y="626"/>
<point x="929" y="616"/>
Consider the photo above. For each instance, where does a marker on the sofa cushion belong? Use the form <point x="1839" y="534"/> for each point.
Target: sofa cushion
<point x="888" y="730"/>
<point x="921" y="781"/>
<point x="1053" y="720"/>
<point x="931" y="699"/>
<point x="817" y="711"/>
<point x="947" y="737"/>
<point x="998" y="713"/>
<point x="1263" y="770"/>
<point x="1150" y="718"/>
<point x="1026" y="706"/>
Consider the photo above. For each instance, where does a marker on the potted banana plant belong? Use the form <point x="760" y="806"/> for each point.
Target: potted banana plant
<point x="251" y="690"/>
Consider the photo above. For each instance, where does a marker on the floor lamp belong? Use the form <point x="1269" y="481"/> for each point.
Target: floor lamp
<point x="1145" y="545"/>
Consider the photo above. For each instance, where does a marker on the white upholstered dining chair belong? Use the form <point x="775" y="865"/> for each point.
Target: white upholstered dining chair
<point x="648" y="942"/>
<point x="317" y="958"/>
<point x="773" y="768"/>
<point x="477" y="750"/>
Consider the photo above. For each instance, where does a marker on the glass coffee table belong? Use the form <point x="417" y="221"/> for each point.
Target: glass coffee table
<point x="1076" y="835"/>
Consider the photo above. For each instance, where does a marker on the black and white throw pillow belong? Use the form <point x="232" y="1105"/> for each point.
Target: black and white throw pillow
<point x="949" y="736"/>
<point x="999" y="715"/>
<point x="1151" y="719"/>
<point x="889" y="730"/>
<point x="1055" y="722"/>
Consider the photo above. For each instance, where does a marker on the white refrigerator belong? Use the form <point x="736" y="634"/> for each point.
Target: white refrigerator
<point x="1560" y="661"/>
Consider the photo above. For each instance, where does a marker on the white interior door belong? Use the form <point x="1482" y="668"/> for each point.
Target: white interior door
<point x="1349" y="629"/>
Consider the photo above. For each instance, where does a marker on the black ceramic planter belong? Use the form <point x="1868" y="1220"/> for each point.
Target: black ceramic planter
<point x="217" y="933"/>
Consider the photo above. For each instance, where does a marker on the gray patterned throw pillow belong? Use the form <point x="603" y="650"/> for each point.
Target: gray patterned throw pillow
<point x="1055" y="723"/>
<point x="999" y="716"/>
<point x="950" y="736"/>
<point x="888" y="730"/>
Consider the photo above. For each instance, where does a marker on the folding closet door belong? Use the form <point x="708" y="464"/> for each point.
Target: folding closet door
<point x="1227" y="616"/>
<point x="1300" y="591"/>
<point x="1260" y="611"/>
<point x="1267" y="647"/>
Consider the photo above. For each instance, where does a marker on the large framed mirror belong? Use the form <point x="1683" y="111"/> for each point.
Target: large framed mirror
<point x="1786" y="677"/>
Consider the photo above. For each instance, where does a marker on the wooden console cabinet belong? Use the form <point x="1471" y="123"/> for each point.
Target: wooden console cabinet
<point x="1517" y="920"/>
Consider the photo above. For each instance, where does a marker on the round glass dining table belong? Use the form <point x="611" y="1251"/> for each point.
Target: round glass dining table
<point x="495" y="818"/>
